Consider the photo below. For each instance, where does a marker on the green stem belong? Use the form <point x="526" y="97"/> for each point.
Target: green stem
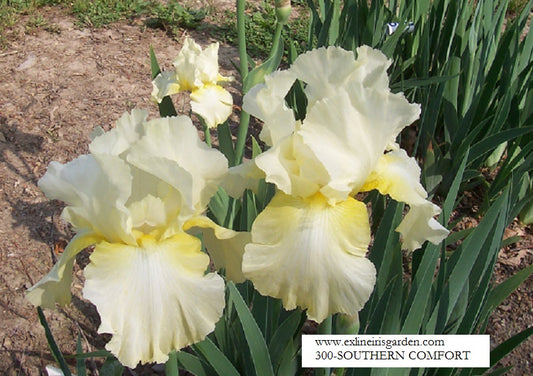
<point x="243" y="57"/>
<point x="241" y="137"/>
<point x="276" y="39"/>
<point x="171" y="366"/>
<point x="324" y="328"/>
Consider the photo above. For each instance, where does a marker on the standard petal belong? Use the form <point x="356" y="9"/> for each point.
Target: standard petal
<point x="292" y="167"/>
<point x="398" y="176"/>
<point x="312" y="255"/>
<point x="172" y="151"/>
<point x="166" y="83"/>
<point x="55" y="286"/>
<point x="331" y="129"/>
<point x="96" y="189"/>
<point x="419" y="225"/>
<point x="389" y="113"/>
<point x="213" y="103"/>
<point x="324" y="70"/>
<point x="196" y="67"/>
<point x="128" y="130"/>
<point x="225" y="246"/>
<point x="267" y="103"/>
<point x="154" y="298"/>
<point x="371" y="68"/>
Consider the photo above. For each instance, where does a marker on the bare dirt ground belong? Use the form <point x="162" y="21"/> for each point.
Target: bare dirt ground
<point x="55" y="87"/>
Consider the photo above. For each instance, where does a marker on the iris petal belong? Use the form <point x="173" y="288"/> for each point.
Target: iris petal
<point x="225" y="246"/>
<point x="153" y="298"/>
<point x="55" y="286"/>
<point x="267" y="102"/>
<point x="312" y="255"/>
<point x="166" y="83"/>
<point x="398" y="175"/>
<point x="96" y="189"/>
<point x="172" y="152"/>
<point x="213" y="103"/>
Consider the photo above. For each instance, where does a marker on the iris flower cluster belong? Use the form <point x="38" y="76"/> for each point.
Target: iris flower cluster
<point x="140" y="196"/>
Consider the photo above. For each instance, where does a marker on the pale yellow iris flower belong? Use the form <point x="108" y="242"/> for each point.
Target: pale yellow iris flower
<point x="136" y="197"/>
<point x="308" y="245"/>
<point x="196" y="71"/>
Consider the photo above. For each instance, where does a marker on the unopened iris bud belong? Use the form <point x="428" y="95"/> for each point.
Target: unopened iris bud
<point x="347" y="324"/>
<point x="283" y="11"/>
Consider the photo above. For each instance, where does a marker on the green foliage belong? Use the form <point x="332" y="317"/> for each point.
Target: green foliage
<point x="474" y="83"/>
<point x="472" y="80"/>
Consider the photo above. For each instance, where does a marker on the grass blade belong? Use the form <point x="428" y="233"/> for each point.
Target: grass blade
<point x="254" y="337"/>
<point x="215" y="358"/>
<point x="52" y="343"/>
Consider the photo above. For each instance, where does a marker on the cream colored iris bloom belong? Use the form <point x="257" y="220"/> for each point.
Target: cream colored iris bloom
<point x="308" y="246"/>
<point x="196" y="70"/>
<point x="135" y="196"/>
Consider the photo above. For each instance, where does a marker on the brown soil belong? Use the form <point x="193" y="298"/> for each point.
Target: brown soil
<point x="55" y="87"/>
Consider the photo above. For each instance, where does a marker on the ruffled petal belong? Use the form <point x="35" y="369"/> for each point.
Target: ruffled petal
<point x="96" y="189"/>
<point x="153" y="298"/>
<point x="267" y="103"/>
<point x="172" y="151"/>
<point x="165" y="83"/>
<point x="55" y="286"/>
<point x="388" y="113"/>
<point x="371" y="68"/>
<point x="324" y="70"/>
<point x="312" y="255"/>
<point x="330" y="130"/>
<point x="225" y="246"/>
<point x="128" y="130"/>
<point x="292" y="167"/>
<point x="213" y="103"/>
<point x="196" y="67"/>
<point x="419" y="225"/>
<point x="398" y="176"/>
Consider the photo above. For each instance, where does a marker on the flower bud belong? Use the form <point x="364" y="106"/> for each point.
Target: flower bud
<point x="347" y="324"/>
<point x="283" y="10"/>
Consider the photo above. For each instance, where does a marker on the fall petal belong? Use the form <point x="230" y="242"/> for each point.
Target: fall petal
<point x="213" y="103"/>
<point x="153" y="298"/>
<point x="419" y="225"/>
<point x="96" y="188"/>
<point x="398" y="176"/>
<point x="55" y="286"/>
<point x="312" y="255"/>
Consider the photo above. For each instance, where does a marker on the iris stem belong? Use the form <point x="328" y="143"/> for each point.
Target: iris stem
<point x="276" y="39"/>
<point x="171" y="366"/>
<point x="243" y="64"/>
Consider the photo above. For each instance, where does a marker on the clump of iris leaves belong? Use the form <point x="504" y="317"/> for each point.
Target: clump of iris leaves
<point x="470" y="67"/>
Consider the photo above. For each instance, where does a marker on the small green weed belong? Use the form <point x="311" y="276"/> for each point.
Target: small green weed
<point x="172" y="16"/>
<point x="98" y="13"/>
